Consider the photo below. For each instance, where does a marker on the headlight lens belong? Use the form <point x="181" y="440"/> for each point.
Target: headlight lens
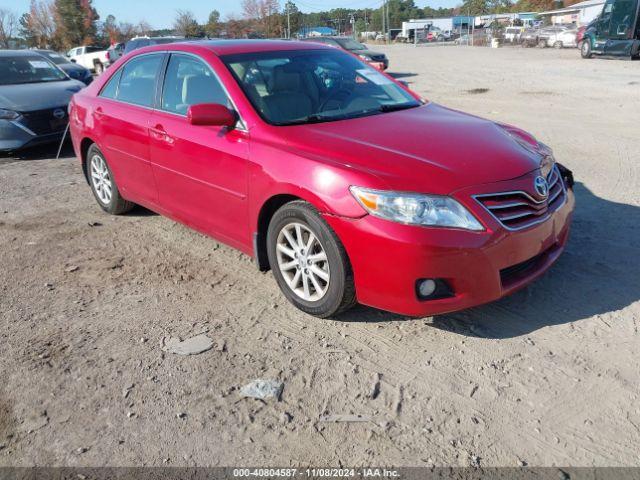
<point x="8" y="114"/>
<point x="416" y="209"/>
<point x="366" y="58"/>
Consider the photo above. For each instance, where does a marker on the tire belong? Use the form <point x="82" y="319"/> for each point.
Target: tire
<point x="336" y="292"/>
<point x="100" y="177"/>
<point x="542" y="43"/>
<point x="99" y="68"/>
<point x="557" y="45"/>
<point x="585" y="50"/>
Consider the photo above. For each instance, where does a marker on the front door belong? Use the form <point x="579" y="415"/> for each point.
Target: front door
<point x="602" y="27"/>
<point x="201" y="171"/>
<point x="623" y="18"/>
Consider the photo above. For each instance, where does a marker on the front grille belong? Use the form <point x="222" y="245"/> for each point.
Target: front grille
<point x="517" y="210"/>
<point x="511" y="275"/>
<point x="43" y="122"/>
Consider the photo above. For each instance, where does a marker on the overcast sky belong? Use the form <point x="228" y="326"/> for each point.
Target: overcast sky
<point x="160" y="13"/>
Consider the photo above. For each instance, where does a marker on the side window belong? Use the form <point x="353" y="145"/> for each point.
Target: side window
<point x="138" y="80"/>
<point x="190" y="81"/>
<point x="622" y="18"/>
<point x="110" y="90"/>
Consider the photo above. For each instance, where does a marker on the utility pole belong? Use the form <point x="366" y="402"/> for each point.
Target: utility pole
<point x="387" y="37"/>
<point x="288" y="21"/>
<point x="353" y="26"/>
<point x="384" y="30"/>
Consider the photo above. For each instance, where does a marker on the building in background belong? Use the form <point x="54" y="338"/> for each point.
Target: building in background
<point x="579" y="14"/>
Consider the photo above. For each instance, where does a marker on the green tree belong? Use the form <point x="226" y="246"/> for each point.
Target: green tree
<point x="75" y="22"/>
<point x="295" y="17"/>
<point x="26" y="31"/>
<point x="186" y="25"/>
<point x="213" y="26"/>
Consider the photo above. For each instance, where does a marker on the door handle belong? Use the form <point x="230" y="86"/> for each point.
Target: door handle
<point x="99" y="112"/>
<point x="159" y="133"/>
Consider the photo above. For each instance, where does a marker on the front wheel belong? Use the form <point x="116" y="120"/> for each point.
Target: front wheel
<point x="103" y="185"/>
<point x="585" y="50"/>
<point x="309" y="262"/>
<point x="557" y="45"/>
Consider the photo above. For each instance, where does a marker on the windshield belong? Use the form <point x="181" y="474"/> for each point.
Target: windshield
<point x="310" y="86"/>
<point x="28" y="69"/>
<point x="350" y="44"/>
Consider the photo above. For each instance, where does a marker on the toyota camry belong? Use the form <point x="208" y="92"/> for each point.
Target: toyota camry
<point x="345" y="184"/>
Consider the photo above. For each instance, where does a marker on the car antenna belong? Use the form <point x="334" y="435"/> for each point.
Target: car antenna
<point x="64" y="136"/>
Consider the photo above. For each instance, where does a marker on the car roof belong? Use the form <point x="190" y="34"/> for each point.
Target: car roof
<point x="18" y="53"/>
<point x="232" y="47"/>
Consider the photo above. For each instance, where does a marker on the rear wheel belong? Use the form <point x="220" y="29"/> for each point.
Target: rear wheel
<point x="103" y="185"/>
<point x="309" y="261"/>
<point x="585" y="50"/>
<point x="542" y="43"/>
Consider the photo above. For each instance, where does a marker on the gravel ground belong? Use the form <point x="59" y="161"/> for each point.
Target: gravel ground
<point x="548" y="376"/>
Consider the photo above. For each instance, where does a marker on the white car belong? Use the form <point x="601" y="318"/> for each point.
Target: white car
<point x="564" y="38"/>
<point x="94" y="58"/>
<point x="512" y="34"/>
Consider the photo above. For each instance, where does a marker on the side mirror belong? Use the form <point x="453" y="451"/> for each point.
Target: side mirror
<point x="211" y="114"/>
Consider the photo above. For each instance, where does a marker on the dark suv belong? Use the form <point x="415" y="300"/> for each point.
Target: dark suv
<point x="377" y="59"/>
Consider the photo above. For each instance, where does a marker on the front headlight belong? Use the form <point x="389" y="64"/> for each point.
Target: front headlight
<point x="416" y="209"/>
<point x="366" y="58"/>
<point x="8" y="114"/>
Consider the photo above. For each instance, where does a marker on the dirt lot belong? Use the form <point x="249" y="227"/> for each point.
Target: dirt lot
<point x="548" y="376"/>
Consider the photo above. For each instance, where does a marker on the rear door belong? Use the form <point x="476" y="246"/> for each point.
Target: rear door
<point x="623" y="18"/>
<point x="123" y="113"/>
<point x="201" y="171"/>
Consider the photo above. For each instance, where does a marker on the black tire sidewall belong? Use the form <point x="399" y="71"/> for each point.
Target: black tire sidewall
<point x="338" y="265"/>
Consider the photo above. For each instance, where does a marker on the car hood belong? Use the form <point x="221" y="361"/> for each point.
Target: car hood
<point x="428" y="149"/>
<point x="38" y="96"/>
<point x="370" y="53"/>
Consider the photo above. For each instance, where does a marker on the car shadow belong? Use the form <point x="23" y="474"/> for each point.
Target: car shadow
<point x="40" y="152"/>
<point x="597" y="274"/>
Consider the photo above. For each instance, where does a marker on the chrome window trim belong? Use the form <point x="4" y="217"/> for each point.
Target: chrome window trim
<point x="240" y="125"/>
<point x="120" y="72"/>
<point x="547" y="200"/>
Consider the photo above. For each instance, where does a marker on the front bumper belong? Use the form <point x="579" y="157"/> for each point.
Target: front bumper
<point x="388" y="258"/>
<point x="16" y="136"/>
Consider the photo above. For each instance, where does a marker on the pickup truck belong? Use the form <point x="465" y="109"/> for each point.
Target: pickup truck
<point x="94" y="58"/>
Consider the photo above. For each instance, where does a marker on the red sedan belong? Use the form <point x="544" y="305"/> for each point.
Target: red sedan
<point x="344" y="183"/>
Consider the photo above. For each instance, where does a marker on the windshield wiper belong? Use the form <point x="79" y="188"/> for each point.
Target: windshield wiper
<point x="398" y="106"/>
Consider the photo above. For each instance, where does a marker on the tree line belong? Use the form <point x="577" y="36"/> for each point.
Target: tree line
<point x="63" y="24"/>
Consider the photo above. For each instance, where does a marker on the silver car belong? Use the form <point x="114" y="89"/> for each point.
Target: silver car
<point x="34" y="95"/>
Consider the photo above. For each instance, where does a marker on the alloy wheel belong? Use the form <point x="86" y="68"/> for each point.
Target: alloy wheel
<point x="101" y="179"/>
<point x="303" y="262"/>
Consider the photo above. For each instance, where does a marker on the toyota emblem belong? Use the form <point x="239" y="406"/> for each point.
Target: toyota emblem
<point x="541" y="186"/>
